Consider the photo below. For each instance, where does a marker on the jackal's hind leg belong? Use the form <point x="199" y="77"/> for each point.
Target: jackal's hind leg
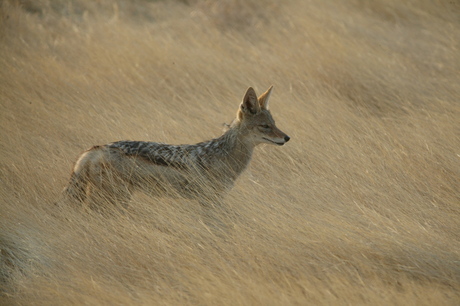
<point x="109" y="191"/>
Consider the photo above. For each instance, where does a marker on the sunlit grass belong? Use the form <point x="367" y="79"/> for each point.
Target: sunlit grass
<point x="361" y="206"/>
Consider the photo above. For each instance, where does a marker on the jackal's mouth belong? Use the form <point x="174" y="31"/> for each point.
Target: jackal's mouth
<point x="277" y="143"/>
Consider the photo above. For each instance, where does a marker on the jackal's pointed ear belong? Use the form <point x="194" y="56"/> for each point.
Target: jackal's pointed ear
<point x="263" y="98"/>
<point x="250" y="104"/>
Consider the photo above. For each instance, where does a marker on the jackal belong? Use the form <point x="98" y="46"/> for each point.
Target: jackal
<point x="202" y="171"/>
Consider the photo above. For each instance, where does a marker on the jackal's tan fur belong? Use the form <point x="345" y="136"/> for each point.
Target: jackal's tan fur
<point x="203" y="171"/>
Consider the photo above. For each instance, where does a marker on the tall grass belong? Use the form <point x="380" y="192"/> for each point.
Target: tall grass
<point x="362" y="205"/>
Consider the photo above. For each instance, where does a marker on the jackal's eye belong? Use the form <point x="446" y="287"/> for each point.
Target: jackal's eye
<point x="265" y="126"/>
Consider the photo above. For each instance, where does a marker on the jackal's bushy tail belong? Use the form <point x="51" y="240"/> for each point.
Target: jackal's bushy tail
<point x="79" y="180"/>
<point x="76" y="190"/>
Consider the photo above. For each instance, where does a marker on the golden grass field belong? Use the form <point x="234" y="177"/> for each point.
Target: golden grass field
<point x="362" y="206"/>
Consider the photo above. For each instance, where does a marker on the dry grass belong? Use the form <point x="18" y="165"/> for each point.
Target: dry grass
<point x="362" y="206"/>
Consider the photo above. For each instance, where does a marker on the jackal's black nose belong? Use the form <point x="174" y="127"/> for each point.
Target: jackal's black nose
<point x="286" y="138"/>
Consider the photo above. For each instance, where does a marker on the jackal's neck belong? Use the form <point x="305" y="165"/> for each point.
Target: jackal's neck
<point x="233" y="150"/>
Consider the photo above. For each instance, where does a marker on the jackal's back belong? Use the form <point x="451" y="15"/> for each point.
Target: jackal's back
<point x="156" y="153"/>
<point x="196" y="156"/>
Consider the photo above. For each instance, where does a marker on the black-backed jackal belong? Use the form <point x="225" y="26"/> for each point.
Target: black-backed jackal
<point x="202" y="171"/>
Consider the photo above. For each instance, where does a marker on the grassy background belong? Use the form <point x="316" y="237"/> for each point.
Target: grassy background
<point x="362" y="205"/>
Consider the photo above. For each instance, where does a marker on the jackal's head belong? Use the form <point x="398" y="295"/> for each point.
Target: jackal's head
<point x="256" y="122"/>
